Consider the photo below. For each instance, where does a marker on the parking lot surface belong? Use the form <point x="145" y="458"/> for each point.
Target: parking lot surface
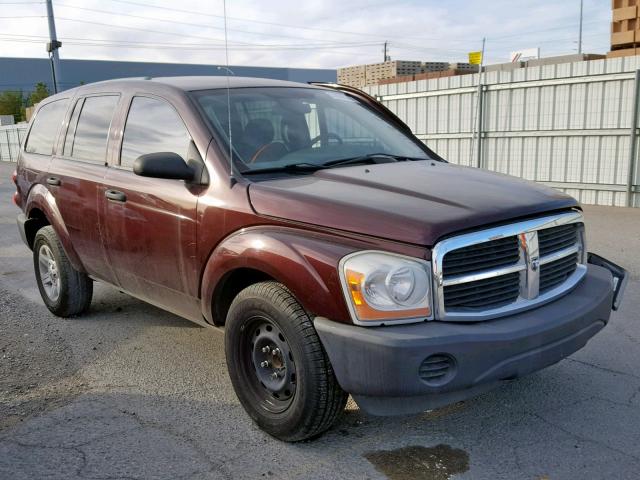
<point x="130" y="391"/>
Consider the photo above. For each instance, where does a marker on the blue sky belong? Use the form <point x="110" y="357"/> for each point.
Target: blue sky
<point x="327" y="33"/>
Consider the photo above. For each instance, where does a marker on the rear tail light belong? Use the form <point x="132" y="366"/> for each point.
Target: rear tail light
<point x="16" y="196"/>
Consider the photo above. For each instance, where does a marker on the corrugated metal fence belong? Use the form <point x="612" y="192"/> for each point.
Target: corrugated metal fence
<point x="567" y="125"/>
<point x="11" y="137"/>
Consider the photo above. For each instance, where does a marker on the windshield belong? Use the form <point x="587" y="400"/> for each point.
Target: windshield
<point x="281" y="126"/>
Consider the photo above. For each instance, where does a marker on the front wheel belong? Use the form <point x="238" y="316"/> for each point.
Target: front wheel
<point x="64" y="290"/>
<point x="278" y="367"/>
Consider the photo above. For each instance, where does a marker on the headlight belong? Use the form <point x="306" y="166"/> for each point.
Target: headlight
<point x="381" y="287"/>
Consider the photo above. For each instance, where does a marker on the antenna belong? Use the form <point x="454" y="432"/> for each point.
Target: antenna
<point x="232" y="179"/>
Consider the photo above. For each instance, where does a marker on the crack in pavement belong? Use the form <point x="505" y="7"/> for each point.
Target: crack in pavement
<point x="620" y="329"/>
<point x="583" y="438"/>
<point x="168" y="430"/>
<point x="605" y="369"/>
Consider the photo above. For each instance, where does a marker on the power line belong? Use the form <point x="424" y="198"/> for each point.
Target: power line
<point x="155" y="44"/>
<point x="520" y="34"/>
<point x="200" y="46"/>
<point x="91" y="42"/>
<point x="126" y="27"/>
<point x="241" y="45"/>
<point x="192" y="12"/>
<point x="238" y="43"/>
<point x="177" y="22"/>
<point x="248" y="20"/>
<point x="284" y="25"/>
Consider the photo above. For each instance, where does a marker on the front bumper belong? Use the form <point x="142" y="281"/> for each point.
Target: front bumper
<point x="410" y="368"/>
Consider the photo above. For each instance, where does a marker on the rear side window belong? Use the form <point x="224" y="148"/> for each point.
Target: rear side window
<point x="153" y="126"/>
<point x="73" y="123"/>
<point x="92" y="131"/>
<point x="45" y="127"/>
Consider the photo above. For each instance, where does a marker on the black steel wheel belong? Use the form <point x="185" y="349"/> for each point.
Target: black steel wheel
<point x="277" y="365"/>
<point x="267" y="354"/>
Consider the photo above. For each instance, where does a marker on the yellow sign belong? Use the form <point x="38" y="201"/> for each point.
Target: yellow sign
<point x="475" y="58"/>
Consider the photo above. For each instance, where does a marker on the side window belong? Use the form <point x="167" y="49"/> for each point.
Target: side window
<point x="152" y="126"/>
<point x="71" y="131"/>
<point x="313" y="123"/>
<point x="92" y="131"/>
<point x="348" y="128"/>
<point x="45" y="127"/>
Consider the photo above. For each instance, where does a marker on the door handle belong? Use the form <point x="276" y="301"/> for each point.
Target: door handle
<point x="55" y="181"/>
<point x="115" y="195"/>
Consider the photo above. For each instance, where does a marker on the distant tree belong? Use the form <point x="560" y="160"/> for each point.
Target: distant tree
<point x="11" y="103"/>
<point x="40" y="93"/>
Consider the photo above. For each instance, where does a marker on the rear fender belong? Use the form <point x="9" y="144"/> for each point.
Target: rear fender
<point x="40" y="198"/>
<point x="306" y="264"/>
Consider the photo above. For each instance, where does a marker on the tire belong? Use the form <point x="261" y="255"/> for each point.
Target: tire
<point x="305" y="399"/>
<point x="65" y="291"/>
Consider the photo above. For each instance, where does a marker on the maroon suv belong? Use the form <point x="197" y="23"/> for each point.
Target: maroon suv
<point x="341" y="255"/>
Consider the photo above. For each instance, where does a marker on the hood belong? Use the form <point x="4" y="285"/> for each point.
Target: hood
<point x="415" y="202"/>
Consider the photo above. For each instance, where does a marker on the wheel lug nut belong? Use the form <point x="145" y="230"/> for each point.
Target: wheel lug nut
<point x="264" y="364"/>
<point x="266" y="349"/>
<point x="274" y="375"/>
<point x="275" y="351"/>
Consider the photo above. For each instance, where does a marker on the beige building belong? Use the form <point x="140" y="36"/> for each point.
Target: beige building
<point x="625" y="28"/>
<point x="361" y="75"/>
<point x="371" y="74"/>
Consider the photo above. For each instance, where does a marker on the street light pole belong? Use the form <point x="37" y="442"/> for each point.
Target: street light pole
<point x="580" y="31"/>
<point x="52" y="48"/>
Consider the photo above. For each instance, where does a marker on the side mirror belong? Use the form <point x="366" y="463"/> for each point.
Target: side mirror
<point x="163" y="165"/>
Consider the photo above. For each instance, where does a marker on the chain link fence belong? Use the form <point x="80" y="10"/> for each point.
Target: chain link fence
<point x="11" y="137"/>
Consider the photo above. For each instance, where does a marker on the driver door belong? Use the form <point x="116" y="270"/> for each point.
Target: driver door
<point x="150" y="223"/>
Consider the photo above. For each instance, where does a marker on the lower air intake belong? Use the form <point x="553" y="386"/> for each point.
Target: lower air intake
<point x="437" y="370"/>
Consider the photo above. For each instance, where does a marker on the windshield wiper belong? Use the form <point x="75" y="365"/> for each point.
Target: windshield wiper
<point x="303" y="167"/>
<point x="370" y="158"/>
<point x="291" y="167"/>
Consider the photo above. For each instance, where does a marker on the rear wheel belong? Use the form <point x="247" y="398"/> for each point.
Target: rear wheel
<point x="64" y="290"/>
<point x="277" y="365"/>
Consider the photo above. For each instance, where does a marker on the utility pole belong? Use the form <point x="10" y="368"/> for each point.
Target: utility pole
<point x="476" y="131"/>
<point x="580" y="31"/>
<point x="386" y="49"/>
<point x="52" y="48"/>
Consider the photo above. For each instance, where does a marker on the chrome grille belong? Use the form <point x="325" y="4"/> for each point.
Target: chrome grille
<point x="496" y="253"/>
<point x="498" y="271"/>
<point x="556" y="238"/>
<point x="490" y="292"/>
<point x="554" y="273"/>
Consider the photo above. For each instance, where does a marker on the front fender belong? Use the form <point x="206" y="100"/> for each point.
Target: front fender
<point x="40" y="198"/>
<point x="307" y="264"/>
